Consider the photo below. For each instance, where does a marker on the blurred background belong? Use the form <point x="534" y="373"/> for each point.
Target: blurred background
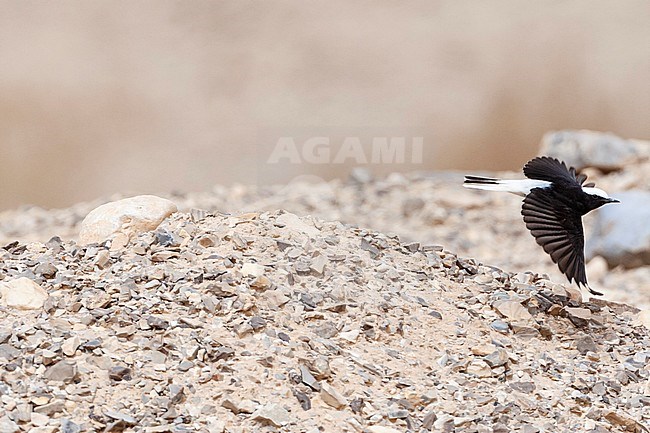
<point x="98" y="97"/>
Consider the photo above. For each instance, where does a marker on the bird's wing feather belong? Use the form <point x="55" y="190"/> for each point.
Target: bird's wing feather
<point x="558" y="230"/>
<point x="552" y="170"/>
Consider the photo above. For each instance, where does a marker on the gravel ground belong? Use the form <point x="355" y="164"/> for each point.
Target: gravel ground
<point x="260" y="320"/>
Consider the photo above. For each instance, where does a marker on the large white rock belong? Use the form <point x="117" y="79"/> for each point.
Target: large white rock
<point x="123" y="219"/>
<point x="622" y="234"/>
<point x="23" y="293"/>
<point x="582" y="149"/>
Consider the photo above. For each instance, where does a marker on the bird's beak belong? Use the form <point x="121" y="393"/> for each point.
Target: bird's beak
<point x="613" y="200"/>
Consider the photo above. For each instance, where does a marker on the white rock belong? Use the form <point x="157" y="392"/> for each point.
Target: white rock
<point x="39" y="419"/>
<point x="23" y="293"/>
<point x="512" y="310"/>
<point x="295" y="223"/>
<point x="123" y="219"/>
<point x="8" y="426"/>
<point x="479" y="368"/>
<point x="331" y="396"/>
<point x="70" y="345"/>
<point x="272" y="413"/>
<point x="350" y="336"/>
<point x="252" y="269"/>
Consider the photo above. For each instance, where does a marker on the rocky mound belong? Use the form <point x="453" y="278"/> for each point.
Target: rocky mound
<point x="273" y="322"/>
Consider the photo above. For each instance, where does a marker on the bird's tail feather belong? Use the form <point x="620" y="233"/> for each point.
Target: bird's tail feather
<point x="480" y="180"/>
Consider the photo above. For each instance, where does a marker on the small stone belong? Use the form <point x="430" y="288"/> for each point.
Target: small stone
<point x="23" y="294"/>
<point x="51" y="408"/>
<point x="428" y="420"/>
<point x="321" y="368"/>
<point x="62" y="371"/>
<point x="483" y="349"/>
<point x="70" y="345"/>
<point x="257" y="323"/>
<point x="8" y="352"/>
<point x="39" y="419"/>
<point x="525" y="387"/>
<point x="303" y="399"/>
<point x="176" y="394"/>
<point x="444" y="423"/>
<point x="102" y="259"/>
<point x="586" y="344"/>
<point x="479" y="368"/>
<point x="185" y="365"/>
<point x="318" y="264"/>
<point x="524" y="331"/>
<point x="331" y="396"/>
<point x="397" y="414"/>
<point x="574" y="294"/>
<point x="119" y="373"/>
<point x="483" y="279"/>
<point x="579" y="316"/>
<point x="308" y="379"/>
<point x="261" y="283"/>
<point x="243" y="406"/>
<point x="497" y="358"/>
<point x="252" y="269"/>
<point x="120" y="416"/>
<point x="8" y="426"/>
<point x="68" y="426"/>
<point x="350" y="336"/>
<point x="46" y="270"/>
<point x="326" y="330"/>
<point x="500" y="326"/>
<point x="272" y="413"/>
<point x="156" y="322"/>
<point x="624" y="421"/>
<point x="512" y="310"/>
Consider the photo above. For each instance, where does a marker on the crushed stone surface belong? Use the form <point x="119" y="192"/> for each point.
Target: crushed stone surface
<point x="266" y="321"/>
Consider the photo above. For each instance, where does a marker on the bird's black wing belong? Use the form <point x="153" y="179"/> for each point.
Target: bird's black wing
<point x="558" y="229"/>
<point x="552" y="170"/>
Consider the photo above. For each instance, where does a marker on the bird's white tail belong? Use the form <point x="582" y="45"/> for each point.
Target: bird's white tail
<point x="520" y="187"/>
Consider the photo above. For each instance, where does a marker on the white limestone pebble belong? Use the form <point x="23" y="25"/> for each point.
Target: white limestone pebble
<point x="23" y="294"/>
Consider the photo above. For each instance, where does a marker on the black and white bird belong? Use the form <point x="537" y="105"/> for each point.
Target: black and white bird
<point x="555" y="199"/>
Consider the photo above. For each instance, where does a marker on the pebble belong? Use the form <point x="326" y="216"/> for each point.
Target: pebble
<point x="308" y="379"/>
<point x="119" y="373"/>
<point x="68" y="426"/>
<point x="8" y="426"/>
<point x="512" y="310"/>
<point x="70" y="345"/>
<point x="23" y="294"/>
<point x="479" y="368"/>
<point x="586" y="344"/>
<point x="272" y="413"/>
<point x="332" y="397"/>
<point x="497" y="358"/>
<point x="62" y="371"/>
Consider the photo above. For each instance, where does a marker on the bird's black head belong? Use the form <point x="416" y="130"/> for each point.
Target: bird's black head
<point x="598" y="197"/>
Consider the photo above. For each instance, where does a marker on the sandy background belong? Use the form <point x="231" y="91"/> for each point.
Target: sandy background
<point x="98" y="97"/>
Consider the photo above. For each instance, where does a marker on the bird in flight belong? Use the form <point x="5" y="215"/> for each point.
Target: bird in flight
<point x="555" y="199"/>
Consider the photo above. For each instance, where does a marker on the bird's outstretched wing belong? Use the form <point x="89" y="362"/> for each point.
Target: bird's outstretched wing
<point x="552" y="170"/>
<point x="558" y="230"/>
